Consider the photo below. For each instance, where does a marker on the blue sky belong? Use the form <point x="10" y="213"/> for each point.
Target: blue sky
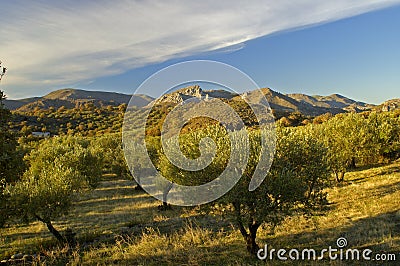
<point x="312" y="47"/>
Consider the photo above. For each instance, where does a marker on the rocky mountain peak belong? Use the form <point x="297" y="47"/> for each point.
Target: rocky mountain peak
<point x="390" y="105"/>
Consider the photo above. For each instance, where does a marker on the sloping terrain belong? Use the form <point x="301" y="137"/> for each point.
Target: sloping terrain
<point x="280" y="103"/>
<point x="118" y="225"/>
<point x="286" y="103"/>
<point x="15" y="104"/>
<point x="71" y="98"/>
<point x="334" y="101"/>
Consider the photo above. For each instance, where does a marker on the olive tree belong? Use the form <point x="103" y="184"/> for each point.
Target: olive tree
<point x="358" y="139"/>
<point x="110" y="147"/>
<point x="342" y="135"/>
<point x="384" y="131"/>
<point x="189" y="147"/>
<point x="294" y="182"/>
<point x="131" y="151"/>
<point x="58" y="170"/>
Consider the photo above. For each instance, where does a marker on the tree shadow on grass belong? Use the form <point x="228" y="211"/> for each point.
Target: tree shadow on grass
<point x="108" y="203"/>
<point x="385" y="189"/>
<point x="370" y="172"/>
<point x="380" y="233"/>
<point x="378" y="169"/>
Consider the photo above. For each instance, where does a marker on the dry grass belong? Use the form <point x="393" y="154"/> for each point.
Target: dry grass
<point x="365" y="210"/>
<point x="98" y="214"/>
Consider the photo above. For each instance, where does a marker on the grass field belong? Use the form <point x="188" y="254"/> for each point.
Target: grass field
<point x="117" y="225"/>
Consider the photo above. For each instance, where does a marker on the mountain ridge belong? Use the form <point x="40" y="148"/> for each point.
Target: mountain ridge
<point x="311" y="105"/>
<point x="71" y="98"/>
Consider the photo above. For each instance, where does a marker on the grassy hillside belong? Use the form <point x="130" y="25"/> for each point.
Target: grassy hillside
<point x="116" y="224"/>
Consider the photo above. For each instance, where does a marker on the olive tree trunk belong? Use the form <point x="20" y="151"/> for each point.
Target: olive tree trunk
<point x="165" y="206"/>
<point x="52" y="230"/>
<point x="339" y="177"/>
<point x="250" y="235"/>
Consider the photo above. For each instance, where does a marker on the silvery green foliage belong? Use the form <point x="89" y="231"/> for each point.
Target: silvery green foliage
<point x="295" y="181"/>
<point x="360" y="139"/>
<point x="58" y="169"/>
<point x="109" y="148"/>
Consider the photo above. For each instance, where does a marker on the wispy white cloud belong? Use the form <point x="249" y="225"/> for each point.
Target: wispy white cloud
<point x="52" y="43"/>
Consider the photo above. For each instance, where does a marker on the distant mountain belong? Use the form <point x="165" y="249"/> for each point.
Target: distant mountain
<point x="15" y="104"/>
<point x="280" y="103"/>
<point x="334" y="101"/>
<point x="70" y="98"/>
<point x="315" y="105"/>
<point x="194" y="91"/>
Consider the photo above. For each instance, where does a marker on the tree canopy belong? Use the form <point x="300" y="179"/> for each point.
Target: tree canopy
<point x="58" y="169"/>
